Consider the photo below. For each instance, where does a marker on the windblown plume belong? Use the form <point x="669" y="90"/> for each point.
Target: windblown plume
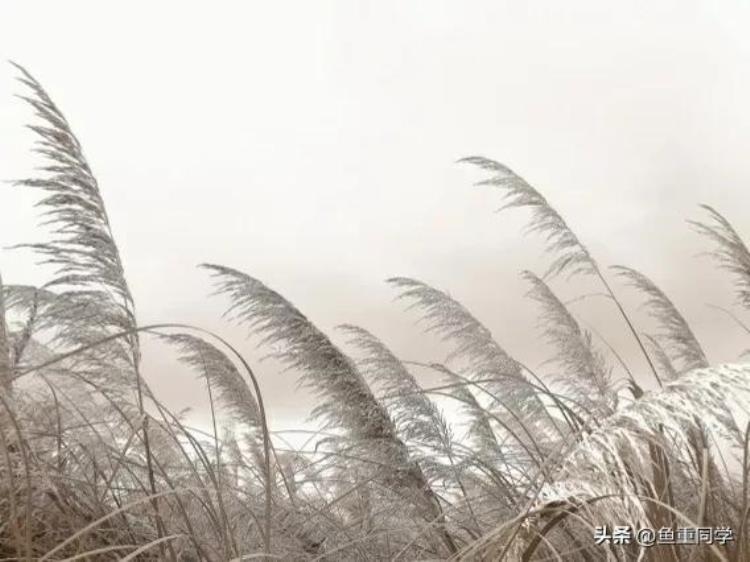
<point x="20" y="298"/>
<point x="449" y="319"/>
<point x="485" y="361"/>
<point x="570" y="255"/>
<point x="661" y="359"/>
<point x="417" y="417"/>
<point x="731" y="252"/>
<point x="678" y="340"/>
<point x="347" y="400"/>
<point x="221" y="373"/>
<point x="95" y="300"/>
<point x="584" y="370"/>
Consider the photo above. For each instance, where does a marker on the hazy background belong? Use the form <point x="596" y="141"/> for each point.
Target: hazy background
<point x="313" y="145"/>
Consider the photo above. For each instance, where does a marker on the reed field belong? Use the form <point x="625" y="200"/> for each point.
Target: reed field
<point x="528" y="464"/>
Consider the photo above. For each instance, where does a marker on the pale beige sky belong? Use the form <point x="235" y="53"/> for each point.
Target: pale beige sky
<point x="313" y="145"/>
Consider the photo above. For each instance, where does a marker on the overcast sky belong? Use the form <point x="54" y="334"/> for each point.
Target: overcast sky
<point x="314" y="146"/>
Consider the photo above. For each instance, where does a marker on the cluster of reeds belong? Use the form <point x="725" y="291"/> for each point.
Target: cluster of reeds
<point x="94" y="467"/>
